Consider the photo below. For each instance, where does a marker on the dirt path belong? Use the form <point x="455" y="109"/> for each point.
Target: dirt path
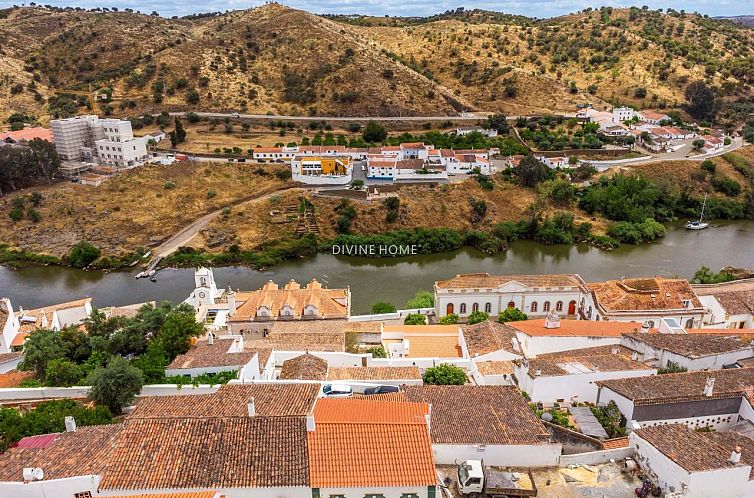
<point x="187" y="233"/>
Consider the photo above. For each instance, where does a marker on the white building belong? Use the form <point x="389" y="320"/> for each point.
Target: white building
<point x="465" y="130"/>
<point x="54" y="317"/>
<point x="570" y="376"/>
<point x="652" y="117"/>
<point x="9" y="325"/>
<point x="322" y="170"/>
<point x="490" y="423"/>
<point x="697" y="399"/>
<point x="728" y="305"/>
<point x="693" y="464"/>
<point x="535" y="295"/>
<point x="643" y="300"/>
<point x="554" y="162"/>
<point x="621" y="114"/>
<point x="692" y="351"/>
<point x="88" y="138"/>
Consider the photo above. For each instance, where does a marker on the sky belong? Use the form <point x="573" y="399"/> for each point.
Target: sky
<point x="531" y="8"/>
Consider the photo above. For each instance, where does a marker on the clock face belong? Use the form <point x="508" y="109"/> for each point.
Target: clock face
<point x="201" y="295"/>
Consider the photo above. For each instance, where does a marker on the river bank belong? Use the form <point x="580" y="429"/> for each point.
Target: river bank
<point x="396" y="280"/>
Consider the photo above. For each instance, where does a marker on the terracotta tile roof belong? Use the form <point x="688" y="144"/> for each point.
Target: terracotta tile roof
<point x="374" y="373"/>
<point x="209" y="453"/>
<point x="697" y="451"/>
<point x="63" y="458"/>
<point x="479" y="415"/>
<point x="488" y="337"/>
<point x="304" y="367"/>
<point x="576" y="328"/>
<point x="268" y="150"/>
<point x="694" y="345"/>
<point x="649" y="114"/>
<point x="612" y="444"/>
<point x="495" y="367"/>
<point x="14" y="378"/>
<point x="28" y="134"/>
<point x="188" y="494"/>
<point x="323" y="326"/>
<point x="644" y="294"/>
<point x="20" y="338"/>
<point x="359" y="443"/>
<point x="46" y="313"/>
<point x="736" y="297"/>
<point x="412" y="145"/>
<point x="205" y="355"/>
<point x="487" y="281"/>
<point x="12" y="356"/>
<point x="681" y="387"/>
<point x="300" y="342"/>
<point x="586" y="360"/>
<point x="231" y="400"/>
<point x="425" y="346"/>
<point x="329" y="303"/>
<point x="451" y="330"/>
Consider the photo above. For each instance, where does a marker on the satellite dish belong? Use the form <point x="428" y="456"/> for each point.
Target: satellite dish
<point x="547" y="417"/>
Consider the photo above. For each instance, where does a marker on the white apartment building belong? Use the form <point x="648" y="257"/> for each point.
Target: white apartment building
<point x="621" y="114"/>
<point x="87" y="138"/>
<point x="535" y="295"/>
<point x="728" y="305"/>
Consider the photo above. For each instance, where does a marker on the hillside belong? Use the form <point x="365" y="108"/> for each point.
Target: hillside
<point x="275" y="59"/>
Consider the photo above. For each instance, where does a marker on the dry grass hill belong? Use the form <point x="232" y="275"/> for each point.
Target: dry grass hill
<point x="274" y="59"/>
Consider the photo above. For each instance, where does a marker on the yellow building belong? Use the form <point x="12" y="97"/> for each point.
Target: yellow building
<point x="334" y="165"/>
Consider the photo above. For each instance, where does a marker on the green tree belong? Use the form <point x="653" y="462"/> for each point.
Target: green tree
<point x="83" y="254"/>
<point x="477" y="317"/>
<point x="179" y="328"/>
<point x="415" y="319"/>
<point x="377" y="352"/>
<point x="40" y="348"/>
<point x="708" y="166"/>
<point x="422" y="299"/>
<point x="445" y="375"/>
<point x="701" y="100"/>
<point x="512" y="315"/>
<point x="499" y="122"/>
<point x="706" y="276"/>
<point x="381" y="307"/>
<point x="530" y="171"/>
<point x="64" y="373"/>
<point x="115" y="385"/>
<point x="450" y="319"/>
<point x="178" y="135"/>
<point x="374" y="132"/>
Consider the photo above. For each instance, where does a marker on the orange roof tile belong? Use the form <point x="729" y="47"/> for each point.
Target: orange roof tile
<point x="359" y="443"/>
<point x="14" y="378"/>
<point x="190" y="494"/>
<point x="328" y="303"/>
<point x="644" y="294"/>
<point x="577" y="328"/>
<point x="28" y="134"/>
<point x="612" y="444"/>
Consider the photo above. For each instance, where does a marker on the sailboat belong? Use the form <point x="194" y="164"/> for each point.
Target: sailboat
<point x="700" y="224"/>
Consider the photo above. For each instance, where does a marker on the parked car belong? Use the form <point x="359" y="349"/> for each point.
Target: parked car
<point x="337" y="390"/>
<point x="381" y="390"/>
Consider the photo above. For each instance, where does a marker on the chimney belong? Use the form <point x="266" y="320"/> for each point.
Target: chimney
<point x="709" y="387"/>
<point x="552" y="321"/>
<point x="537" y="372"/>
<point x="252" y="407"/>
<point x="635" y="356"/>
<point x="70" y="424"/>
<point x="428" y="418"/>
<point x="645" y="327"/>
<point x="210" y="338"/>
<point x="614" y="350"/>
<point x="231" y="302"/>
<point x="735" y="456"/>
<point x="310" y="425"/>
<point x="515" y="346"/>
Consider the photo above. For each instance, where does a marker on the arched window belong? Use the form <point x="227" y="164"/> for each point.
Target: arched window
<point x="449" y="309"/>
<point x="589" y="313"/>
<point x="533" y="307"/>
<point x="559" y="306"/>
<point x="546" y="306"/>
<point x="475" y="307"/>
<point x="463" y="308"/>
<point x="511" y="304"/>
<point x="488" y="308"/>
<point x="572" y="307"/>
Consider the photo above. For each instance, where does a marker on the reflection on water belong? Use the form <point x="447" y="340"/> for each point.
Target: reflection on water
<point x="680" y="253"/>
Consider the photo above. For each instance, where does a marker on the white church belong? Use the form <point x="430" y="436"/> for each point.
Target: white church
<point x="209" y="302"/>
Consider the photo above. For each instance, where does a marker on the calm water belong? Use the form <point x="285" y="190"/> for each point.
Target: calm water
<point x="680" y="253"/>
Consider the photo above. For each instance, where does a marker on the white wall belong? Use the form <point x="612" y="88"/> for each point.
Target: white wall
<point x="730" y="482"/>
<point x="535" y="455"/>
<point x="387" y="492"/>
<point x="521" y="296"/>
<point x="553" y="387"/>
<point x="625" y="405"/>
<point x="58" y="488"/>
<point x="596" y="457"/>
<point x="536" y="345"/>
<point x="9" y="365"/>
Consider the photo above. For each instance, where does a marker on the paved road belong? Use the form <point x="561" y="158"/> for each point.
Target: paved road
<point x="331" y="118"/>
<point x="678" y="155"/>
<point x="187" y="233"/>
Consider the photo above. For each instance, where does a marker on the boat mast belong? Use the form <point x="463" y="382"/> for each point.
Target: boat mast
<point x="703" y="205"/>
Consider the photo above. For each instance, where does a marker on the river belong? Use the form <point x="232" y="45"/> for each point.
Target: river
<point x="680" y="253"/>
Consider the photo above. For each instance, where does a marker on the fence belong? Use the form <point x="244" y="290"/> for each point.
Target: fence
<point x="596" y="457"/>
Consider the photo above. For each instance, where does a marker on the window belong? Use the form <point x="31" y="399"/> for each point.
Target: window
<point x="546" y="306"/>
<point x="83" y="494"/>
<point x="488" y="308"/>
<point x="368" y="495"/>
<point x="475" y="307"/>
<point x="533" y="307"/>
<point x="463" y="308"/>
<point x="430" y="492"/>
<point x="511" y="304"/>
<point x="559" y="306"/>
<point x="315" y="493"/>
<point x="409" y="495"/>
